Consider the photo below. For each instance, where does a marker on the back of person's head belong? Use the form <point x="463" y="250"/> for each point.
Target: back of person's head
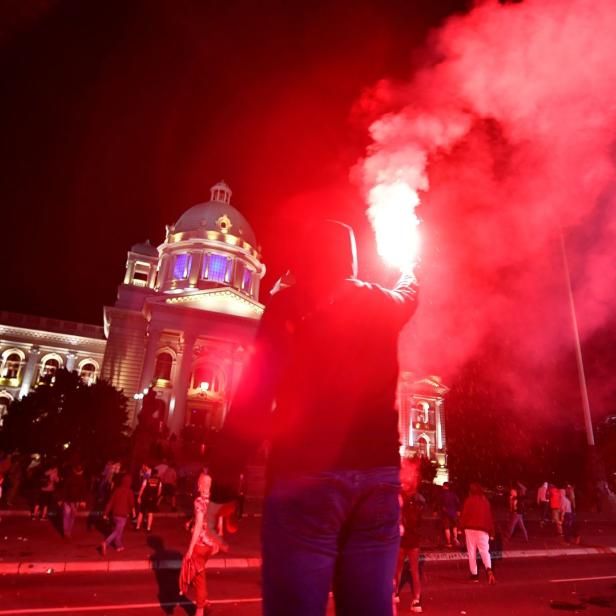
<point x="324" y="253"/>
<point x="154" y="472"/>
<point x="446" y="485"/>
<point x="476" y="489"/>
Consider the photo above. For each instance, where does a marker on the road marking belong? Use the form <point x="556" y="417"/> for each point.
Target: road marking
<point x="585" y="579"/>
<point x="118" y="607"/>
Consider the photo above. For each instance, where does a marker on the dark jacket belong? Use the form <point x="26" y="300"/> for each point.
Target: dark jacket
<point x="477" y="514"/>
<point x="121" y="503"/>
<point x="75" y="488"/>
<point x="328" y="357"/>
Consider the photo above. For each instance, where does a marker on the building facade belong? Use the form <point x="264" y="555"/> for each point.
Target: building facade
<point x="32" y="348"/>
<point x="422" y="421"/>
<point x="186" y="314"/>
<point x="181" y="328"/>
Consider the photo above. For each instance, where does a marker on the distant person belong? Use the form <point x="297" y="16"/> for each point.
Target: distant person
<point x="570" y="493"/>
<point x="46" y="496"/>
<point x="567" y="519"/>
<point x="543" y="503"/>
<point x="149" y="499"/>
<point x="478" y="524"/>
<point x="449" y="512"/>
<point x="169" y="480"/>
<point x="413" y="505"/>
<point x="521" y="489"/>
<point x="162" y="467"/>
<point x="120" y="506"/>
<point x="203" y="544"/>
<point x="516" y="512"/>
<point x="74" y="493"/>
<point x="326" y="354"/>
<point x="555" y="502"/>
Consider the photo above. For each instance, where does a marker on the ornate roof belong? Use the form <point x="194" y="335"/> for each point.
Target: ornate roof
<point x="144" y="248"/>
<point x="217" y="214"/>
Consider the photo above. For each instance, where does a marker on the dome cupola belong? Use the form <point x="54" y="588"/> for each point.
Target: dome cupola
<point x="211" y="245"/>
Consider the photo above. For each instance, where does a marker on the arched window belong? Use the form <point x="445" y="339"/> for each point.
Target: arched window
<point x="87" y="372"/>
<point x="12" y="366"/>
<point x="423" y="446"/>
<point x="49" y="366"/>
<point x="162" y="370"/>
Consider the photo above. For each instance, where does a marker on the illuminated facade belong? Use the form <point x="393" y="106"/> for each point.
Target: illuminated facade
<point x="185" y="314"/>
<point x="422" y="421"/>
<point x="32" y="348"/>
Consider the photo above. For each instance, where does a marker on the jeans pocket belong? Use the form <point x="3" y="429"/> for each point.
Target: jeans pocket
<point x="382" y="511"/>
<point x="306" y="507"/>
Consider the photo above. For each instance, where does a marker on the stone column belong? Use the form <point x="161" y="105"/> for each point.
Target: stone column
<point x="29" y="371"/>
<point x="149" y="360"/>
<point x="71" y="356"/>
<point x="195" y="269"/>
<point x="177" y="406"/>
<point x="128" y="275"/>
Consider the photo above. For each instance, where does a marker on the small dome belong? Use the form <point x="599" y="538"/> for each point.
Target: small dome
<point x="217" y="214"/>
<point x="145" y="248"/>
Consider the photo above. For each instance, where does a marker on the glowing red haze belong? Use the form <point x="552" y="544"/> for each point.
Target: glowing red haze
<point x="509" y="133"/>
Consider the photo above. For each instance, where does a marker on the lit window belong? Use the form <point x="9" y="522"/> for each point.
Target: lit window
<point x="207" y="379"/>
<point x="141" y="274"/>
<point x="247" y="280"/>
<point x="164" y="361"/>
<point x="12" y="366"/>
<point x="50" y="368"/>
<point x="182" y="266"/>
<point x="88" y="373"/>
<point x="219" y="269"/>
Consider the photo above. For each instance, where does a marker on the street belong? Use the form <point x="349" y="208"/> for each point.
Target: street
<point x="531" y="586"/>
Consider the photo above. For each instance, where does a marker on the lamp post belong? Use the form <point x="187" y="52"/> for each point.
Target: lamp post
<point x="596" y="470"/>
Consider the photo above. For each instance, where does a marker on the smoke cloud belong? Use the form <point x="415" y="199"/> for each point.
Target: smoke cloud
<point x="508" y="135"/>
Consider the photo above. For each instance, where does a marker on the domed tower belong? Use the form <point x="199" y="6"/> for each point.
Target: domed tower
<point x="185" y="313"/>
<point x="210" y="246"/>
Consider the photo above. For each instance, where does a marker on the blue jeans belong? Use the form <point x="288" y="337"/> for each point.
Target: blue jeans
<point x="69" y="511"/>
<point x="335" y="529"/>
<point x="118" y="531"/>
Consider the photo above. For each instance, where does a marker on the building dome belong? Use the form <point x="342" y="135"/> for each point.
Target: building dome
<point x="211" y="246"/>
<point x="144" y="248"/>
<point x="217" y="214"/>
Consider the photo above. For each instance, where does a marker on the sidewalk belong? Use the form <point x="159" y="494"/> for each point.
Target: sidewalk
<point x="35" y="547"/>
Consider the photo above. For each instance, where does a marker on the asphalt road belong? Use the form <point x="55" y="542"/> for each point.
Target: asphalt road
<point x="526" y="587"/>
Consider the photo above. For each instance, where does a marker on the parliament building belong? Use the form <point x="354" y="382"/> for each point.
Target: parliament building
<point x="185" y="315"/>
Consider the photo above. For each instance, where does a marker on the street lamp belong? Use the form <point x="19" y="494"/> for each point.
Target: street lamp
<point x="597" y="471"/>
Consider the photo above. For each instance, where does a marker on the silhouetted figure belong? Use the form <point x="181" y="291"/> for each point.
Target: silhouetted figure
<point x="326" y="353"/>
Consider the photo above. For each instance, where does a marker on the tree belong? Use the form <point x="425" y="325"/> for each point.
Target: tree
<point x="69" y="418"/>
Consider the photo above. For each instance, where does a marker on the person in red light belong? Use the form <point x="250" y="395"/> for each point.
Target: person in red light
<point x="413" y="504"/>
<point x="478" y="524"/>
<point x="326" y="354"/>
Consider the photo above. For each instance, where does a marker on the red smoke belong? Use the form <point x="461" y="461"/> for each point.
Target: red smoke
<point x="509" y="133"/>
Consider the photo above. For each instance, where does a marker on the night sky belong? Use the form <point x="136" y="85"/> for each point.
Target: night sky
<point x="118" y="116"/>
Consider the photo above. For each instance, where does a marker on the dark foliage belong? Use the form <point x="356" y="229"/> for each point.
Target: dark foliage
<point x="68" y="418"/>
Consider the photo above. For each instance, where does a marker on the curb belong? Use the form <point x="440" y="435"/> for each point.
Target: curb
<point x="22" y="513"/>
<point x="111" y="566"/>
